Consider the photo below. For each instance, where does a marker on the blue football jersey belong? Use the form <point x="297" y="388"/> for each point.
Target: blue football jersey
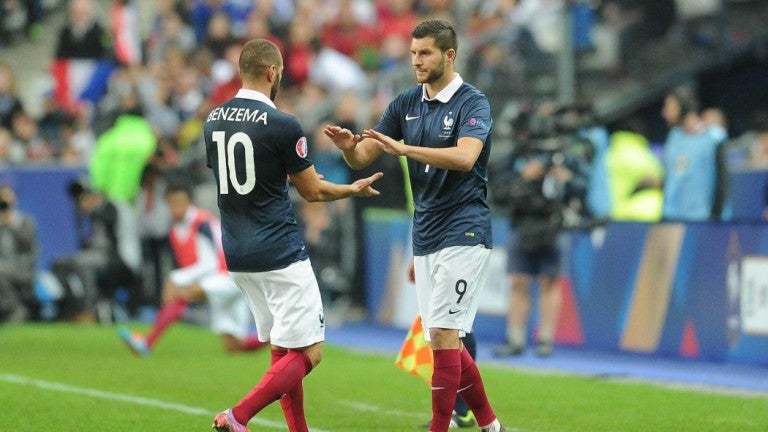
<point x="451" y="207"/>
<point x="251" y="147"/>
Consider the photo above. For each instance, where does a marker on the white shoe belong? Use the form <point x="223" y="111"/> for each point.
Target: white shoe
<point x="493" y="427"/>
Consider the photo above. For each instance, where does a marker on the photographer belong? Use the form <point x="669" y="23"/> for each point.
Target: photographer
<point x="97" y="268"/>
<point x="543" y="186"/>
<point x="18" y="259"/>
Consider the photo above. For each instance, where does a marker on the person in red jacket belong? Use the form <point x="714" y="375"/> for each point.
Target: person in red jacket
<point x="201" y="276"/>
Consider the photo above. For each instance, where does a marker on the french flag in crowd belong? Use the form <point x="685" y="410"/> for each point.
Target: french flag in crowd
<point x="125" y="32"/>
<point x="77" y="81"/>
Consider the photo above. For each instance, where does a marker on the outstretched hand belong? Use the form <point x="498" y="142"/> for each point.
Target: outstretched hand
<point x="387" y="144"/>
<point x="343" y="138"/>
<point x="363" y="188"/>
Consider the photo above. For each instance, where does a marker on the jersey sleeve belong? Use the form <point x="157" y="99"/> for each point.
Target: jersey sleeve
<point x="476" y="119"/>
<point x="293" y="147"/>
<point x="389" y="124"/>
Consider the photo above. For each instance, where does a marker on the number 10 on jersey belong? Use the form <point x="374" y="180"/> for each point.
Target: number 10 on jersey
<point x="225" y="149"/>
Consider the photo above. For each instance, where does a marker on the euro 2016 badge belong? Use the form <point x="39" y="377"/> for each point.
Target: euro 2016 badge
<point x="301" y="147"/>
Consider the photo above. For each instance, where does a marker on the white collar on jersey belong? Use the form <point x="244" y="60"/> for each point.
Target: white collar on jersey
<point x="255" y="95"/>
<point x="445" y="94"/>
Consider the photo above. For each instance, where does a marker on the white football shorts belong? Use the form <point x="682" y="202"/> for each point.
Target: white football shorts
<point x="285" y="304"/>
<point x="448" y="285"/>
<point x="229" y="310"/>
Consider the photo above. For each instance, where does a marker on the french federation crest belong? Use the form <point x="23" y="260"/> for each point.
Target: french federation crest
<point x="301" y="147"/>
<point x="448" y="122"/>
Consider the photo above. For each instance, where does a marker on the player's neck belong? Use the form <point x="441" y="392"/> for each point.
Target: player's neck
<point x="262" y="88"/>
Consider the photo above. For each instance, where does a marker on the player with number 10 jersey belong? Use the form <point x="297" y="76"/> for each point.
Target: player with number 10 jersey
<point x="252" y="147"/>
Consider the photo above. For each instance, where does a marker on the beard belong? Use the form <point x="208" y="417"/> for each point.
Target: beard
<point x="275" y="87"/>
<point x="434" y="74"/>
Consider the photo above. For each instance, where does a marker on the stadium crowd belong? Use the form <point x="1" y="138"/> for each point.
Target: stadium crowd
<point x="129" y="101"/>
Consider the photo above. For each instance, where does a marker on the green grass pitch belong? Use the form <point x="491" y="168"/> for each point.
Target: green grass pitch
<point x="60" y="378"/>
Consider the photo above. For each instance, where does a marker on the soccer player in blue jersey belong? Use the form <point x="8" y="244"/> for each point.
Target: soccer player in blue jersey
<point x="253" y="149"/>
<point x="445" y="128"/>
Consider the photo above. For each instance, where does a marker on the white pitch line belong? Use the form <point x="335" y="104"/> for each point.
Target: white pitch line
<point x="361" y="406"/>
<point x="136" y="400"/>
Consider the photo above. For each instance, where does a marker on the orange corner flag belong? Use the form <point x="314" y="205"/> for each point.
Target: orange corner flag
<point x="415" y="355"/>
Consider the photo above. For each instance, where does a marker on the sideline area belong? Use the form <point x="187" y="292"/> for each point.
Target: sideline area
<point x="718" y="377"/>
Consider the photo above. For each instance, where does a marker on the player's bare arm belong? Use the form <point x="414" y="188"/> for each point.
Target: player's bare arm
<point x="358" y="152"/>
<point x="312" y="187"/>
<point x="462" y="157"/>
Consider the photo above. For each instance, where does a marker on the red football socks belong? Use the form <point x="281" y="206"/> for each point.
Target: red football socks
<point x="292" y="402"/>
<point x="168" y="314"/>
<point x="252" y="343"/>
<point x="472" y="390"/>
<point x="445" y="384"/>
<point x="282" y="377"/>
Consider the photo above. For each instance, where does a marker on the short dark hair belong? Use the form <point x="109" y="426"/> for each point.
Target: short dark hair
<point x="686" y="97"/>
<point x="79" y="186"/>
<point x="441" y="31"/>
<point x="257" y="55"/>
<point x="181" y="186"/>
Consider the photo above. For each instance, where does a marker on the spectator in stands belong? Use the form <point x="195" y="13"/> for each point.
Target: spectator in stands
<point x="219" y="34"/>
<point x="154" y="88"/>
<point x="82" y="60"/>
<point x="20" y="17"/>
<point x="93" y="273"/>
<point x="396" y="18"/>
<point x="200" y="276"/>
<point x="11" y="151"/>
<point x="394" y="21"/>
<point x="691" y="168"/>
<point x="10" y="103"/>
<point x="533" y="21"/>
<point x="226" y="80"/>
<point x="18" y="260"/>
<point x="203" y="12"/>
<point x="77" y="140"/>
<point x="26" y="133"/>
<point x="257" y="26"/>
<point x="351" y="37"/>
<point x="83" y="37"/>
<point x="498" y="71"/>
<point x="298" y="53"/>
<point x="169" y="31"/>
<point x="334" y="71"/>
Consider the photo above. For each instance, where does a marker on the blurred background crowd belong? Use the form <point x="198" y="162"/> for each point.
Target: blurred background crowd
<point x="603" y="110"/>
